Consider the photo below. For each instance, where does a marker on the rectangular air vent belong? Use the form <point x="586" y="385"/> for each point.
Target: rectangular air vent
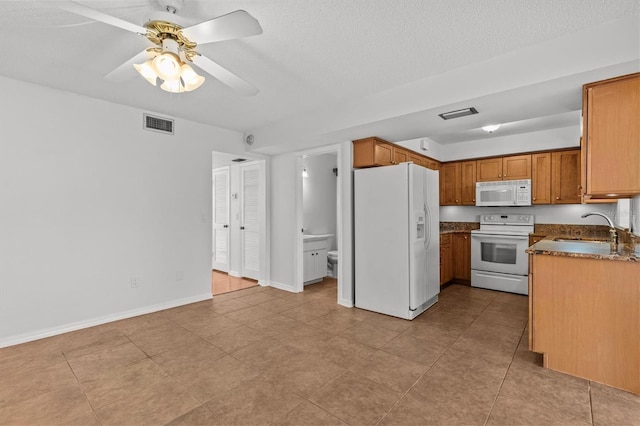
<point x="239" y="160"/>
<point x="157" y="124"/>
<point x="458" y="113"/>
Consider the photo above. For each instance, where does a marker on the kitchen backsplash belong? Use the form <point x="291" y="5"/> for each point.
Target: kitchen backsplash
<point x="559" y="214"/>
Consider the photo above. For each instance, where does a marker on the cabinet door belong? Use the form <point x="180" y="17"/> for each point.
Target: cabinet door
<point x="468" y="183"/>
<point x="462" y="256"/>
<point x="565" y="181"/>
<point x="516" y="167"/>
<point x="612" y="132"/>
<point x="430" y="163"/>
<point x="400" y="155"/>
<point x="320" y="261"/>
<point x="489" y="169"/>
<point x="309" y="266"/>
<point x="417" y="159"/>
<point x="541" y="178"/>
<point x="450" y="190"/>
<point x="446" y="259"/>
<point x="383" y="154"/>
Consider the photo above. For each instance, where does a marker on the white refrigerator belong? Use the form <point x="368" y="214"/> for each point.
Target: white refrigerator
<point x="397" y="239"/>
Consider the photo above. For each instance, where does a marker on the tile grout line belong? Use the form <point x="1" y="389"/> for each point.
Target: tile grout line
<point x="590" y="401"/>
<point x="504" y="378"/>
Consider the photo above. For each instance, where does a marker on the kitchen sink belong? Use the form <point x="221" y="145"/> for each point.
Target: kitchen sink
<point x="580" y="240"/>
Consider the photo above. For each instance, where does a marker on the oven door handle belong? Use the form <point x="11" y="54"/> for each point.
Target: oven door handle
<point x="502" y="237"/>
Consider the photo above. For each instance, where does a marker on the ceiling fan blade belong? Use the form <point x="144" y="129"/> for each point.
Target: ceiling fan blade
<point x="126" y="71"/>
<point x="225" y="76"/>
<point x="87" y="12"/>
<point x="236" y="24"/>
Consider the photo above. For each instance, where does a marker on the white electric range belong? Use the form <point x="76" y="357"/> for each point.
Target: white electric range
<point x="498" y="258"/>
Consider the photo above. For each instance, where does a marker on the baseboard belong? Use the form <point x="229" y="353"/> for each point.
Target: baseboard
<point x="281" y="286"/>
<point x="41" y="334"/>
<point x="345" y="302"/>
<point x="235" y="274"/>
<point x="263" y="283"/>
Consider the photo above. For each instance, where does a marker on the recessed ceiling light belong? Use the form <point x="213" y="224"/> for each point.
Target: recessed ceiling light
<point x="491" y="128"/>
<point x="458" y="113"/>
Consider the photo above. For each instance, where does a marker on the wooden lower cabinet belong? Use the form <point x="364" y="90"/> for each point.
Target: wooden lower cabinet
<point x="455" y="257"/>
<point x="584" y="318"/>
<point x="446" y="259"/>
<point x="462" y="256"/>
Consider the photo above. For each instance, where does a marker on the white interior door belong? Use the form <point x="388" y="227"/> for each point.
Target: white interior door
<point x="250" y="219"/>
<point x="220" y="258"/>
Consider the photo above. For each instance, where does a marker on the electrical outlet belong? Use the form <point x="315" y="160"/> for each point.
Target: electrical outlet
<point x="179" y="275"/>
<point x="135" y="281"/>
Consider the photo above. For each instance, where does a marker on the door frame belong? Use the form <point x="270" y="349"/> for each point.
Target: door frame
<point x="265" y="194"/>
<point x="344" y="238"/>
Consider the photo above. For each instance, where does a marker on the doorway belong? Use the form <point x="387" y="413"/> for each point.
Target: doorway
<point x="238" y="255"/>
<point x="317" y="161"/>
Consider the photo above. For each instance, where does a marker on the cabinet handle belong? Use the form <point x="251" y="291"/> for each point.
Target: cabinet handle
<point x="534" y="198"/>
<point x="557" y="198"/>
<point x="225" y="226"/>
<point x="474" y="200"/>
<point x="242" y="228"/>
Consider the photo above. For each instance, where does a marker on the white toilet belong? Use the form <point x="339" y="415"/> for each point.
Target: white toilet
<point x="332" y="259"/>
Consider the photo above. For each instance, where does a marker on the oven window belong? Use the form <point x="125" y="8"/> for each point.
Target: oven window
<point x="498" y="253"/>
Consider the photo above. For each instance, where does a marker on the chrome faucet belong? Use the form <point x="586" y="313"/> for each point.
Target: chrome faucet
<point x="613" y="236"/>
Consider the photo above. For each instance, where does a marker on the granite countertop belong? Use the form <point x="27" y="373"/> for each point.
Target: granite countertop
<point x="587" y="249"/>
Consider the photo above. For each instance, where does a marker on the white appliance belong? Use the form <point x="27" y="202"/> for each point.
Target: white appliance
<point x="397" y="239"/>
<point x="504" y="193"/>
<point x="498" y="258"/>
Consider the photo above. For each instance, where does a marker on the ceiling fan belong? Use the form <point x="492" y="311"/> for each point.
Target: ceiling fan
<point x="174" y="47"/>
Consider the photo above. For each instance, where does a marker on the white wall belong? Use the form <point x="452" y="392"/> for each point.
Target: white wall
<point x="87" y="200"/>
<point x="283" y="219"/>
<point x="569" y="213"/>
<point x="319" y="196"/>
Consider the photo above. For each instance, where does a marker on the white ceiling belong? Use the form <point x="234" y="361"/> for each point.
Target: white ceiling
<point x="334" y="69"/>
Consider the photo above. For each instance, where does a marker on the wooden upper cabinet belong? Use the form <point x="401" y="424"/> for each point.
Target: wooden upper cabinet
<point x="516" y="167"/>
<point x="371" y="152"/>
<point x="541" y="178"/>
<point x="611" y="137"/>
<point x="468" y="183"/>
<point x="415" y="158"/>
<point x="565" y="177"/>
<point x="430" y="163"/>
<point x="450" y="189"/>
<point x="399" y="155"/>
<point x="489" y="169"/>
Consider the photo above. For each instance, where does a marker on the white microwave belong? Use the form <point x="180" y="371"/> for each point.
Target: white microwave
<point x="504" y="193"/>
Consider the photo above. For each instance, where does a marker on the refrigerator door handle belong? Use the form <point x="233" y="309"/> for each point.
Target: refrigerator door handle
<point x="427" y="223"/>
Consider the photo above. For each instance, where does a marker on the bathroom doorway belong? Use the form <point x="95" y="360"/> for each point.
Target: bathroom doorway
<point x="320" y="222"/>
<point x="341" y="237"/>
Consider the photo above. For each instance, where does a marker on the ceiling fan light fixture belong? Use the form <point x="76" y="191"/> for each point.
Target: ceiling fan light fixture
<point x="146" y="70"/>
<point x="166" y="66"/>
<point x="172" y="86"/>
<point x="190" y="79"/>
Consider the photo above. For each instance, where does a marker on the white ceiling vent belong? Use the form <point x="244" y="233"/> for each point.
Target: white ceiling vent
<point x="157" y="124"/>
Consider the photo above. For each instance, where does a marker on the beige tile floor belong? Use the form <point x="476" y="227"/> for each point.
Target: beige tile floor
<point x="263" y="356"/>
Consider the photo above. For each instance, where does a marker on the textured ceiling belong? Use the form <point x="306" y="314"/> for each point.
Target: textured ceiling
<point x="312" y="57"/>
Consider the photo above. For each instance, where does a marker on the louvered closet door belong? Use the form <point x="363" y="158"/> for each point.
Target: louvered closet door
<point x="220" y="259"/>
<point x="251" y="213"/>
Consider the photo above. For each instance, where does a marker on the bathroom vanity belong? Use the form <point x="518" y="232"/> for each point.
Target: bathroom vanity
<point x="315" y="249"/>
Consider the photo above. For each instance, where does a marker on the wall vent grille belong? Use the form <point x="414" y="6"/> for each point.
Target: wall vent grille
<point x="157" y="124"/>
